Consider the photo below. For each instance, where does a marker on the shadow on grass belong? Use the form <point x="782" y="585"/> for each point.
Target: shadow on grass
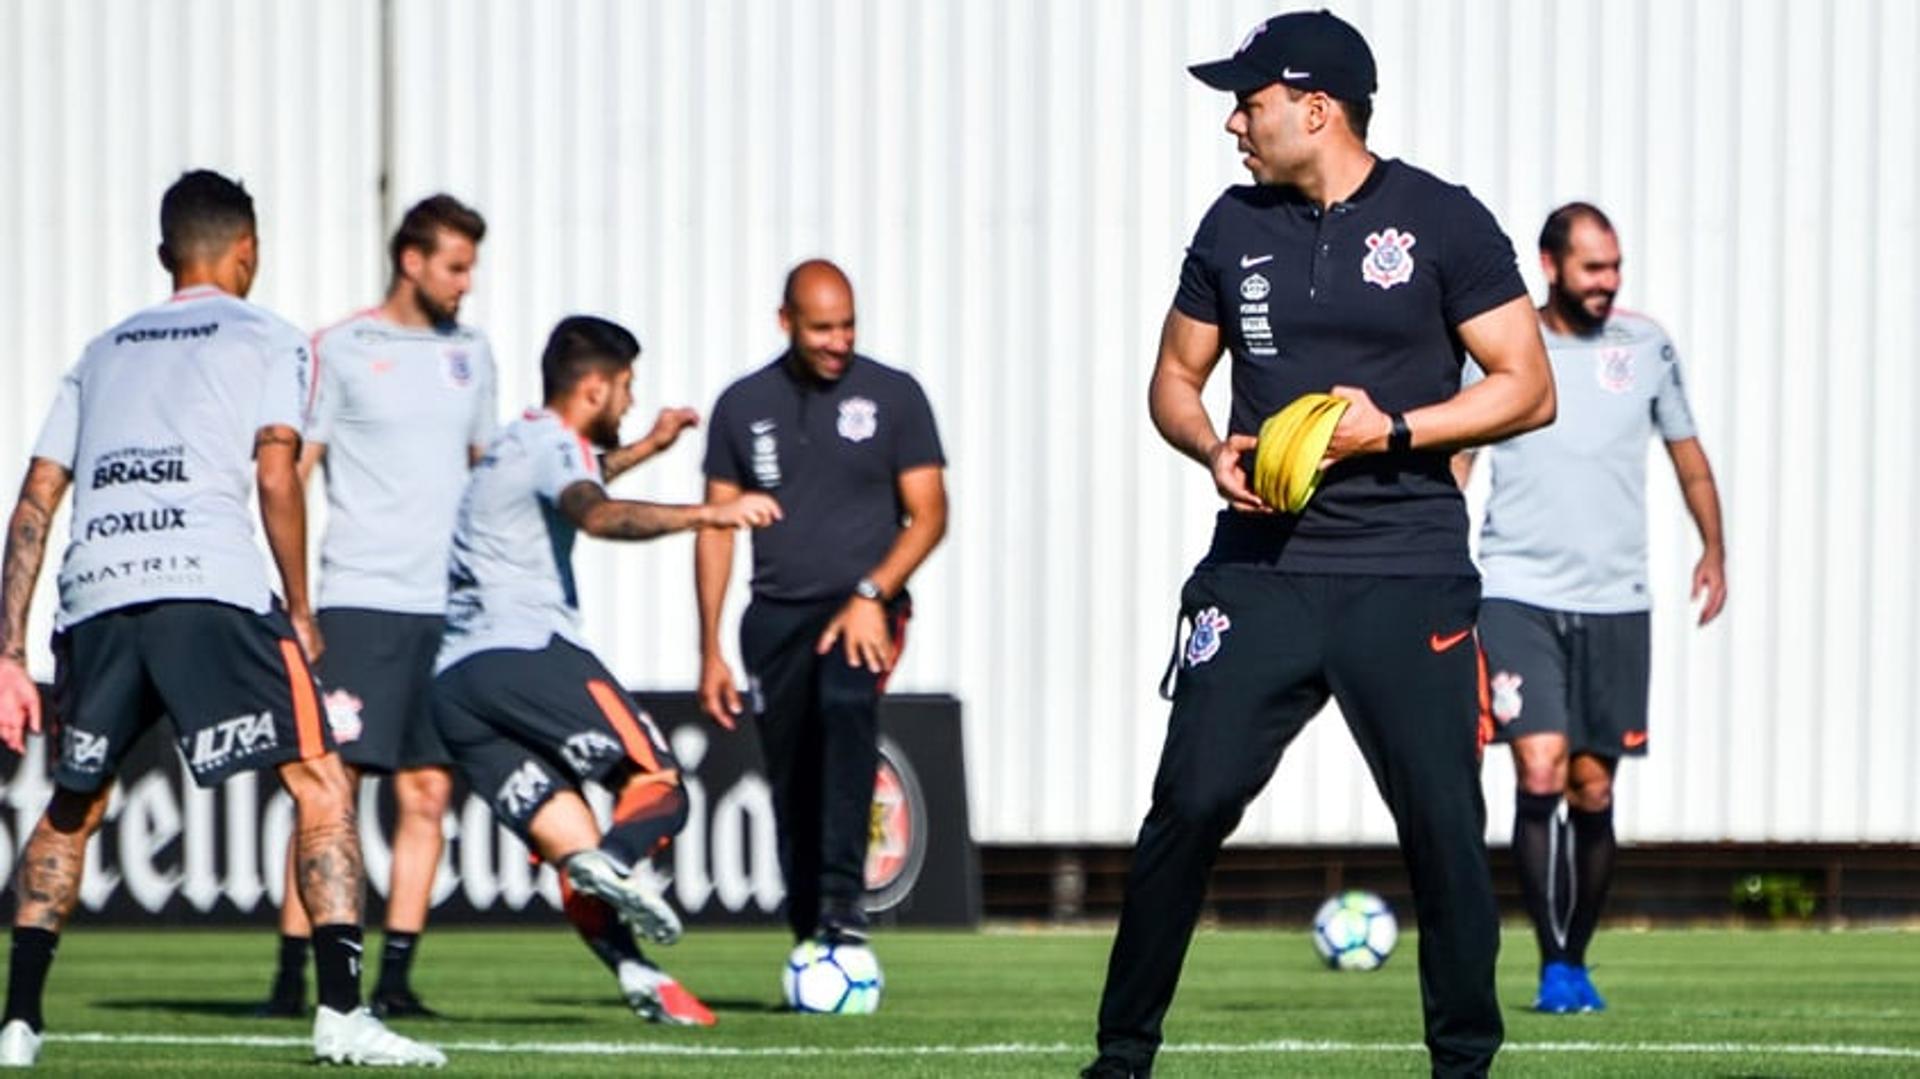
<point x="718" y="1004"/>
<point x="245" y="1009"/>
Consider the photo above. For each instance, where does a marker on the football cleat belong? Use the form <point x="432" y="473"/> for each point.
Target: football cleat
<point x="655" y="996"/>
<point x="19" y="1045"/>
<point x="640" y="904"/>
<point x="284" y="1001"/>
<point x="357" y="1037"/>
<point x="1559" y="989"/>
<point x="400" y="1004"/>
<point x="1588" y="998"/>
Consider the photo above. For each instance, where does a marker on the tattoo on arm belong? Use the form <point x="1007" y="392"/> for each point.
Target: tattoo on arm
<point x="45" y="484"/>
<point x="589" y="508"/>
<point x="616" y="461"/>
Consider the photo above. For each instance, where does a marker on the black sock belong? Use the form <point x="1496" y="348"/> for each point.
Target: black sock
<point x="27" y="974"/>
<point x="1540" y="856"/>
<point x="1593" y="848"/>
<point x="336" y="964"/>
<point x="290" y="977"/>
<point x="396" y="962"/>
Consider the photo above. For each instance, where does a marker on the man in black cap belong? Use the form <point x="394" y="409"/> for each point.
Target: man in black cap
<point x="1337" y="272"/>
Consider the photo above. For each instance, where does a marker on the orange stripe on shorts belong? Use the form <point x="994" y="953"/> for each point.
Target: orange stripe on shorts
<point x="306" y="704"/>
<point x="614" y="707"/>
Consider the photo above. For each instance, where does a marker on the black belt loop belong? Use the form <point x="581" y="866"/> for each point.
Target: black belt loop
<point x="1170" y="680"/>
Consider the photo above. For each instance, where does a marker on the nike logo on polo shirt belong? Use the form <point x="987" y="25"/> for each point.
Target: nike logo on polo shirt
<point x="1289" y="73"/>
<point x="1441" y="644"/>
<point x="1248" y="262"/>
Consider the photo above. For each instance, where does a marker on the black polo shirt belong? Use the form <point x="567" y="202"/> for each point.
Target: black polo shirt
<point x="1365" y="293"/>
<point x="831" y="452"/>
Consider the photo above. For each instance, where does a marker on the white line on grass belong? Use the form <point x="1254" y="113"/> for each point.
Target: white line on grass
<point x="1287" y="1046"/>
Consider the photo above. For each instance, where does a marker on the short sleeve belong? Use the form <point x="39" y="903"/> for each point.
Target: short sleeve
<point x="59" y="439"/>
<point x="329" y="394"/>
<point x="1671" y="413"/>
<point x="1479" y="273"/>
<point x="723" y="457"/>
<point x="916" y="443"/>
<point x="1198" y="296"/>
<point x="485" y="422"/>
<point x="561" y="460"/>
<point x="288" y="392"/>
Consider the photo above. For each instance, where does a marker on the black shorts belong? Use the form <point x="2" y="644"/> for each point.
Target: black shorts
<point x="1558" y="672"/>
<point x="377" y="672"/>
<point x="524" y="725"/>
<point x="234" y="683"/>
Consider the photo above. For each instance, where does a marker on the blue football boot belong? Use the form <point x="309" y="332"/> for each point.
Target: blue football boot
<point x="1589" y="997"/>
<point x="1559" y="989"/>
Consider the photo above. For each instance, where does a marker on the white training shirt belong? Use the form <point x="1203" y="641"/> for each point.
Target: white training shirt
<point x="156" y="422"/>
<point x="1566" y="524"/>
<point x="512" y="564"/>
<point x="398" y="408"/>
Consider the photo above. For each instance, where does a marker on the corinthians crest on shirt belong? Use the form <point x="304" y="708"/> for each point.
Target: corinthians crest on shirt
<point x="456" y="366"/>
<point x="1615" y="369"/>
<point x="1389" y="258"/>
<point x="859" y="419"/>
<point x="1209" y="627"/>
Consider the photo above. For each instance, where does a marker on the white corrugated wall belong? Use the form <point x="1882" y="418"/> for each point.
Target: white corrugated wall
<point x="1010" y="185"/>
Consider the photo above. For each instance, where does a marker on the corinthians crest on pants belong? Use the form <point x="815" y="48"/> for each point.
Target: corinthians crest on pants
<point x="1209" y="625"/>
<point x="1506" y="696"/>
<point x="1388" y="262"/>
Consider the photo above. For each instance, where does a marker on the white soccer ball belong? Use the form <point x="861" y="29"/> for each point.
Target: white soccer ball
<point x="1354" y="931"/>
<point x="832" y="979"/>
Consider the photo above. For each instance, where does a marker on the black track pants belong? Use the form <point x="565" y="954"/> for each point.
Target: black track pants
<point x="1265" y="653"/>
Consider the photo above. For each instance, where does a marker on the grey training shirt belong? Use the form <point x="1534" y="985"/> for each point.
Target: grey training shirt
<point x="398" y="409"/>
<point x="1566" y="524"/>
<point x="156" y="422"/>
<point x="512" y="564"/>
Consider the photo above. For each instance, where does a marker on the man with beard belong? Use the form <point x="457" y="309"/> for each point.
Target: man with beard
<point x="405" y="404"/>
<point x="1565" y="617"/>
<point x="1335" y="272"/>
<point x="526" y="710"/>
<point x="850" y="446"/>
<point x="167" y="428"/>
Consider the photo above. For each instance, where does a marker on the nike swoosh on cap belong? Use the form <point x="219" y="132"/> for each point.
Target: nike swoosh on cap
<point x="1289" y="73"/>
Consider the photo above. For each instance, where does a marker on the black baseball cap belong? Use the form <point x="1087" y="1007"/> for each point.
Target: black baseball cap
<point x="1306" y="50"/>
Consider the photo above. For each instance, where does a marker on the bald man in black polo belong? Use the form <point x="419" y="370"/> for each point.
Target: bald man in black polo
<point x="1339" y="272"/>
<point x="848" y="447"/>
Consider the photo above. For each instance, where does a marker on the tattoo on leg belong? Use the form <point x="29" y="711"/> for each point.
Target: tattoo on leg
<point x="49" y="883"/>
<point x="329" y="871"/>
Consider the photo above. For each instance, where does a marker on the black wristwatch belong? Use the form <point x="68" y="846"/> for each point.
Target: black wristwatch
<point x="1400" y="437"/>
<point x="868" y="588"/>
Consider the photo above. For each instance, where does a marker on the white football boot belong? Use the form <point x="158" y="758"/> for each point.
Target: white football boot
<point x="639" y="903"/>
<point x="19" y="1045"/>
<point x="357" y="1037"/>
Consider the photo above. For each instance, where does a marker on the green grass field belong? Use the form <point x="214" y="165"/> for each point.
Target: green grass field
<point x="1011" y="1003"/>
